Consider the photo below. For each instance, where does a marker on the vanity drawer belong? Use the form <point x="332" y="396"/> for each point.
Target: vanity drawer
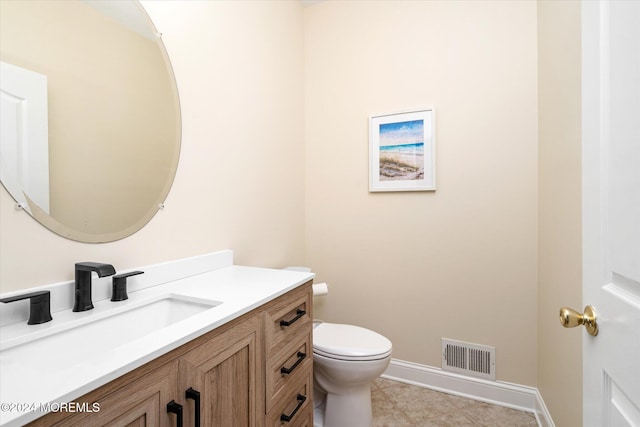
<point x="292" y="361"/>
<point x="287" y="318"/>
<point x="296" y="405"/>
<point x="304" y="418"/>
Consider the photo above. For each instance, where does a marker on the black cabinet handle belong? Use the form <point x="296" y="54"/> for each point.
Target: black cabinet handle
<point x="195" y="395"/>
<point x="287" y="371"/>
<point x="175" y="408"/>
<point x="299" y="314"/>
<point x="287" y="418"/>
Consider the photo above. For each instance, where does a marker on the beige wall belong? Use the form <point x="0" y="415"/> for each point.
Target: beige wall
<point x="559" y="181"/>
<point x="460" y="262"/>
<point x="240" y="181"/>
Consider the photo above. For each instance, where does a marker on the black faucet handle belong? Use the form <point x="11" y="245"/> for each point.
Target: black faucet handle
<point x="39" y="307"/>
<point x="119" y="285"/>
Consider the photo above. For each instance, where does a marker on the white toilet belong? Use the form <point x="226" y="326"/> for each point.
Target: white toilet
<point x="346" y="360"/>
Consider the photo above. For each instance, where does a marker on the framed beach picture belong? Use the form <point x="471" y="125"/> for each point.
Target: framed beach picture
<point x="402" y="151"/>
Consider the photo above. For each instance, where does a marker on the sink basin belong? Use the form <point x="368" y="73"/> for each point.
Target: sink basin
<point x="103" y="332"/>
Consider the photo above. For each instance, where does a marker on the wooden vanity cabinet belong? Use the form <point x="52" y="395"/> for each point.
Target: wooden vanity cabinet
<point x="225" y="371"/>
<point x="235" y="371"/>
<point x="140" y="403"/>
<point x="289" y="359"/>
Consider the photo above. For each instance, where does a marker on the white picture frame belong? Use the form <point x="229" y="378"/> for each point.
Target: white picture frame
<point x="402" y="151"/>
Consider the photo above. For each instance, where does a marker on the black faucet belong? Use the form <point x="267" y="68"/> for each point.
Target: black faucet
<point x="82" y="296"/>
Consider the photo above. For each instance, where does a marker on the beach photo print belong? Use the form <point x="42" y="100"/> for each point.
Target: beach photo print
<point x="402" y="152"/>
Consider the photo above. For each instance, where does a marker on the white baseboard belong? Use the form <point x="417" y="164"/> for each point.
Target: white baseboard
<point x="499" y="393"/>
<point x="542" y="413"/>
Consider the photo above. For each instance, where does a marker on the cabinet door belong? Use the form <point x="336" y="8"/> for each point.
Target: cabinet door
<point x="224" y="371"/>
<point x="142" y="403"/>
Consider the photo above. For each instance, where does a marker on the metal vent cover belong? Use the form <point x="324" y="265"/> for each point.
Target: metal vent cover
<point x="469" y="359"/>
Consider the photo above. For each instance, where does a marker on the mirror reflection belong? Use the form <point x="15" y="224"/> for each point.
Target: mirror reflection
<point x="96" y="160"/>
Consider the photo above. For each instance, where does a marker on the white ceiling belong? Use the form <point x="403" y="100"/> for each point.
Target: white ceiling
<point x="306" y="3"/>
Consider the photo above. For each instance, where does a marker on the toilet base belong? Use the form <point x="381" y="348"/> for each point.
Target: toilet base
<point x="346" y="361"/>
<point x="319" y="405"/>
<point x="353" y="409"/>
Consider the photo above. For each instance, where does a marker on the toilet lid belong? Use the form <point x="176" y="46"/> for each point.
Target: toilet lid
<point x="348" y="342"/>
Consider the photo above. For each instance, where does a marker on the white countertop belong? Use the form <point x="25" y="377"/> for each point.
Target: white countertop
<point x="26" y="385"/>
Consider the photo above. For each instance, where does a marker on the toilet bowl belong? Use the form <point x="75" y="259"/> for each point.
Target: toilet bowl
<point x="346" y="360"/>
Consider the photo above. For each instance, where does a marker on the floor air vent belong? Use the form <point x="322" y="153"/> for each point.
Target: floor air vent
<point x="469" y="359"/>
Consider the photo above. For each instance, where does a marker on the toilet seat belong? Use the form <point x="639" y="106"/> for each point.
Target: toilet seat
<point x="348" y="342"/>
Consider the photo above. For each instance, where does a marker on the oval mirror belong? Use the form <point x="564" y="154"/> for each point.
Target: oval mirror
<point x="90" y="126"/>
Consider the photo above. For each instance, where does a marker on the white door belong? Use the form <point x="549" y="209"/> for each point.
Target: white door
<point x="611" y="210"/>
<point x="24" y="135"/>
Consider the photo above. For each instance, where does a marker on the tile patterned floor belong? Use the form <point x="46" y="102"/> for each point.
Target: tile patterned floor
<point x="397" y="404"/>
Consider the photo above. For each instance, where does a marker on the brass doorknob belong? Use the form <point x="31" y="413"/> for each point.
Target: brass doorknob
<point x="569" y="318"/>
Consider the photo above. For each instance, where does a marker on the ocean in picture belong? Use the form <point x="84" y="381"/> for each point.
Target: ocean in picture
<point x="413" y="149"/>
<point x="402" y="151"/>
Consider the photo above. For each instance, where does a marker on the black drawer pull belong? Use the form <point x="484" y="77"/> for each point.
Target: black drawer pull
<point x="287" y="418"/>
<point x="175" y="408"/>
<point x="195" y="395"/>
<point x="287" y="371"/>
<point x="299" y="314"/>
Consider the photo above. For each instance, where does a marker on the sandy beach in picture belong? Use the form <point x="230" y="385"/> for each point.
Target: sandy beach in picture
<point x="395" y="165"/>
<point x="402" y="151"/>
